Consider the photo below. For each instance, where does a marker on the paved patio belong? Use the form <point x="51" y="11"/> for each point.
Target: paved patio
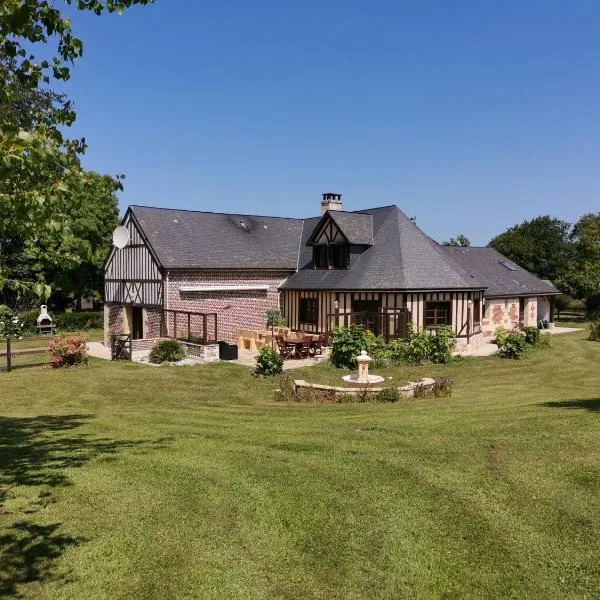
<point x="248" y="357"/>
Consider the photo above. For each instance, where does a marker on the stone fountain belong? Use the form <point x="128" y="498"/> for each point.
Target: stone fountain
<point x="363" y="376"/>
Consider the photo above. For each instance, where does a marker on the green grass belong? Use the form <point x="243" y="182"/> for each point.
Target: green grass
<point x="124" y="481"/>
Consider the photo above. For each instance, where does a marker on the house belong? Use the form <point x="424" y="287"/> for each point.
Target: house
<point x="214" y="274"/>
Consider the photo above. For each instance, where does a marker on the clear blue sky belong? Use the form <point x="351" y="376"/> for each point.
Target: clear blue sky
<point x="470" y="115"/>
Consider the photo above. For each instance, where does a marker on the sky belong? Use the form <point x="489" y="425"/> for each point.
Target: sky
<point x="471" y="116"/>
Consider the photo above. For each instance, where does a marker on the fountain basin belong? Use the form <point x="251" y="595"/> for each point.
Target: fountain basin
<point x="370" y="379"/>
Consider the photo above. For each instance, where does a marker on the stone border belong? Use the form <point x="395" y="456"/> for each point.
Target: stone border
<point x="408" y="391"/>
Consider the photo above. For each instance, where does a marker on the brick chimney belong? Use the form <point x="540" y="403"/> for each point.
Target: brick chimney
<point x="331" y="202"/>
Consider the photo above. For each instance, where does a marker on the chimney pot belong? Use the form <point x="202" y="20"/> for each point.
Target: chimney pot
<point x="331" y="201"/>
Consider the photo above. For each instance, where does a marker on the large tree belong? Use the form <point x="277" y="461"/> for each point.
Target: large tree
<point x="460" y="240"/>
<point x="40" y="171"/>
<point x="583" y="275"/>
<point x="541" y="246"/>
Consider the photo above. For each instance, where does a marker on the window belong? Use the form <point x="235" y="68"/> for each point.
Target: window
<point x="308" y="311"/>
<point x="334" y="256"/>
<point x="320" y="257"/>
<point x="508" y="265"/>
<point x="437" y="314"/>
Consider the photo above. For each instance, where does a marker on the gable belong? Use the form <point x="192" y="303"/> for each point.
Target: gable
<point x="327" y="232"/>
<point x="132" y="274"/>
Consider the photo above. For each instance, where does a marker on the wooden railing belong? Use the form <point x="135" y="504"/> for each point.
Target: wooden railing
<point x="18" y="347"/>
<point x="200" y="328"/>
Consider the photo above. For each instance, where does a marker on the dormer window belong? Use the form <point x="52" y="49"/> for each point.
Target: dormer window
<point x="332" y="256"/>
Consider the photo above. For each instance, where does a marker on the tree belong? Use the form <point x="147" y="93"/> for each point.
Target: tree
<point x="583" y="275"/>
<point x="541" y="246"/>
<point x="39" y="167"/>
<point x="459" y="240"/>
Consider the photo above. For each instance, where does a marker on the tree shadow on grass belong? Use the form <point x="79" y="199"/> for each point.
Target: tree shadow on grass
<point x="591" y="404"/>
<point x="35" y="452"/>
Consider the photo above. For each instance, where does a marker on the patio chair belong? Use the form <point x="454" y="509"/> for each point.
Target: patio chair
<point x="285" y="350"/>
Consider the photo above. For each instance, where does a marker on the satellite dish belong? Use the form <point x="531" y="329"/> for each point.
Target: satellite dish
<point x="120" y="237"/>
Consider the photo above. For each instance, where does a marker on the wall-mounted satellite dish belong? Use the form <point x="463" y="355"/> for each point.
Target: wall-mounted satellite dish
<point x="120" y="237"/>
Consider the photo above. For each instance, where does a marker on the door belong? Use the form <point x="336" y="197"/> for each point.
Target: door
<point x="137" y="323"/>
<point x="369" y="314"/>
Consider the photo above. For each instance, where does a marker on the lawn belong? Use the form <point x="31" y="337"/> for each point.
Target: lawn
<point x="124" y="481"/>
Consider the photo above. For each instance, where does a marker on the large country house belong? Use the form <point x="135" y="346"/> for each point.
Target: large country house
<point x="215" y="274"/>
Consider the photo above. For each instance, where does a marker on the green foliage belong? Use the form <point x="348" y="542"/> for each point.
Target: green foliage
<point x="441" y="345"/>
<point x="347" y="345"/>
<point x="275" y="318"/>
<point x="460" y="240"/>
<point x="166" y="351"/>
<point x="513" y="346"/>
<point x="68" y="351"/>
<point x="441" y="388"/>
<point x="41" y="179"/>
<point x="545" y="340"/>
<point x="10" y="323"/>
<point x="583" y="276"/>
<point x="541" y="246"/>
<point x="592" y="306"/>
<point x="562" y="302"/>
<point x="268" y="362"/>
<point x="500" y="336"/>
<point x="532" y="335"/>
<point x="388" y="394"/>
<point x="595" y="331"/>
<point x="78" y="321"/>
<point x="285" y="391"/>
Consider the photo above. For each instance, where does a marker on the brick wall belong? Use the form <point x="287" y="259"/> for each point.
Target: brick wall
<point x="153" y="322"/>
<point x="235" y="309"/>
<point x="113" y="321"/>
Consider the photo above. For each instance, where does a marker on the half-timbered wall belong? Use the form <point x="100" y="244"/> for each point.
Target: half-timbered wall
<point x="132" y="275"/>
<point x="390" y="301"/>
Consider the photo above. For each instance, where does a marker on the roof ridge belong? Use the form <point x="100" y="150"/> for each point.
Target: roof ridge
<point x="213" y="212"/>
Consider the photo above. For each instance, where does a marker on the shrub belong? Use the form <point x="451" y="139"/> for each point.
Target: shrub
<point x="595" y="331"/>
<point x="441" y="345"/>
<point x="67" y="351"/>
<point x="442" y="387"/>
<point x="275" y="318"/>
<point x="167" y="351"/>
<point x="29" y="320"/>
<point x="532" y="335"/>
<point x="347" y="345"/>
<point x="10" y="324"/>
<point x="500" y="336"/>
<point x="78" y="321"/>
<point x="417" y="349"/>
<point x="514" y="346"/>
<point x="544" y="340"/>
<point x="268" y="362"/>
<point x="285" y="391"/>
<point x="388" y="394"/>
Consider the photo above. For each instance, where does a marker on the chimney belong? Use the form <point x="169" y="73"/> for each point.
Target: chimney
<point x="331" y="202"/>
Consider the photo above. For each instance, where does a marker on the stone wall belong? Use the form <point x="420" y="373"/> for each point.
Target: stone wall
<point x="504" y="312"/>
<point x="235" y="309"/>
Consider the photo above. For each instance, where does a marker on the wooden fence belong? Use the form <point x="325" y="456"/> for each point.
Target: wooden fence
<point x="15" y="348"/>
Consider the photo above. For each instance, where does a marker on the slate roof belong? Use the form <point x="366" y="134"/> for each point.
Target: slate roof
<point x="486" y="265"/>
<point x="357" y="227"/>
<point x="402" y="257"/>
<point x="388" y="252"/>
<point x="184" y="239"/>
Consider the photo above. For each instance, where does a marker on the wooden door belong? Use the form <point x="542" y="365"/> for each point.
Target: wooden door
<point x="370" y="314"/>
